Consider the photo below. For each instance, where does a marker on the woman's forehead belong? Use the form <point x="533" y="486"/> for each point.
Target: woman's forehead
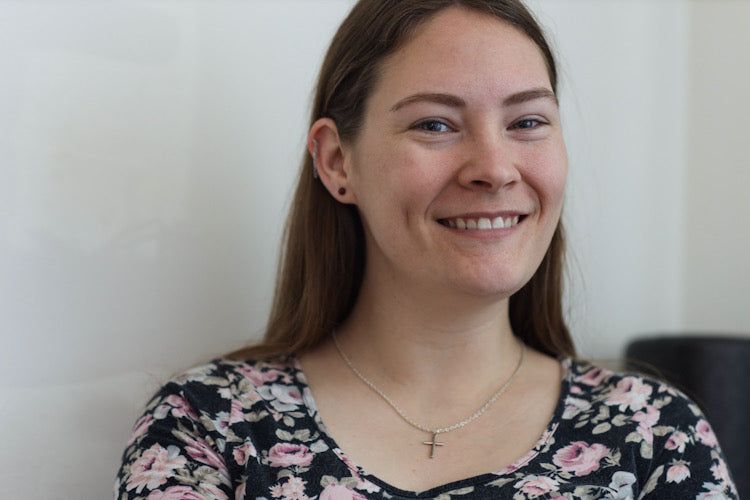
<point x="460" y="50"/>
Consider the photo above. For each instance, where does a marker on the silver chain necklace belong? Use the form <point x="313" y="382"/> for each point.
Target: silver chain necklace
<point x="434" y="442"/>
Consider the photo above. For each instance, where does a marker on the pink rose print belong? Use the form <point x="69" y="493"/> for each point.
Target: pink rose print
<point x="180" y="407"/>
<point x="678" y="472"/>
<point x="677" y="441"/>
<point x="630" y="392"/>
<point x="154" y="467"/>
<point x="260" y="377"/>
<point x="236" y="415"/>
<point x="593" y="377"/>
<point x="646" y="421"/>
<point x="243" y="453"/>
<point x="286" y="454"/>
<point x="140" y="428"/>
<point x="705" y="433"/>
<point x="202" y="452"/>
<point x="276" y="415"/>
<point x="278" y="372"/>
<point x="255" y="376"/>
<point x="535" y="486"/>
<point x="175" y="493"/>
<point x="580" y="458"/>
<point x="293" y="489"/>
<point x="338" y="492"/>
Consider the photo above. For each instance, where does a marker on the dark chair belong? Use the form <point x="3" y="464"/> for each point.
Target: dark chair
<point x="715" y="372"/>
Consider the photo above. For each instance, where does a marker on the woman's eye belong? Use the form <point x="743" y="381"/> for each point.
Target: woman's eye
<point x="526" y="124"/>
<point x="433" y="126"/>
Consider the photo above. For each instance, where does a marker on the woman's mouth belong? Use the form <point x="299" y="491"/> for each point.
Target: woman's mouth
<point x="481" y="223"/>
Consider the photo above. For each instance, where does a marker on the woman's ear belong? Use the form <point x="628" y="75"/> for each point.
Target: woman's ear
<point x="330" y="160"/>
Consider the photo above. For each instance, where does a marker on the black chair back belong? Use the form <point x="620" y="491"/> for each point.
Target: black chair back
<point x="715" y="372"/>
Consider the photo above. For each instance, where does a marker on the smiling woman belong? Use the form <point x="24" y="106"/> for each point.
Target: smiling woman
<point x="416" y="348"/>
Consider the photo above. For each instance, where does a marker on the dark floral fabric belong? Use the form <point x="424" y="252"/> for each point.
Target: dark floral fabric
<point x="250" y="430"/>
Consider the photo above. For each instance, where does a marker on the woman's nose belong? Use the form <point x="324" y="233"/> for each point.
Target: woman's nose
<point x="490" y="164"/>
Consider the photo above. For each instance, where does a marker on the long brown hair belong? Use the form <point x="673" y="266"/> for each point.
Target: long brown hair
<point x="322" y="265"/>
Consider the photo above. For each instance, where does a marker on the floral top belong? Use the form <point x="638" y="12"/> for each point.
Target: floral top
<point x="251" y="430"/>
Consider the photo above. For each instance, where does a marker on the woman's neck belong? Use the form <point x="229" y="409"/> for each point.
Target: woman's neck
<point x="439" y="351"/>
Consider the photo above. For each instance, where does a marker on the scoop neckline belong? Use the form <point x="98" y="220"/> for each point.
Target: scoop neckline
<point x="314" y="414"/>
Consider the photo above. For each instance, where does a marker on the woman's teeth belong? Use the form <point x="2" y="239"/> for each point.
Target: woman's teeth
<point x="482" y="223"/>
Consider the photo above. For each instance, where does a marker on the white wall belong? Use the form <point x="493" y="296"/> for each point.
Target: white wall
<point x="624" y="64"/>
<point x="717" y="275"/>
<point x="147" y="150"/>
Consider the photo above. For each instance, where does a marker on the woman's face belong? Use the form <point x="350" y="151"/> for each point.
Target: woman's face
<point x="459" y="169"/>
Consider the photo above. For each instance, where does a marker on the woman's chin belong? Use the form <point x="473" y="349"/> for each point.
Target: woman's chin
<point x="489" y="281"/>
<point x="489" y="289"/>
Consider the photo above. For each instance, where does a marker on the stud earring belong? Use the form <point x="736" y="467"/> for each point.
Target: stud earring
<point x="315" y="159"/>
<point x="342" y="191"/>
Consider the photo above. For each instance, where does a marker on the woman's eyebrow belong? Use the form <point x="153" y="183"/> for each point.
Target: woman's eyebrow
<point x="530" y="95"/>
<point x="438" y="98"/>
<point x="456" y="102"/>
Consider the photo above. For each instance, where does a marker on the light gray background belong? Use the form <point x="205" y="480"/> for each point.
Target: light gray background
<point x="147" y="153"/>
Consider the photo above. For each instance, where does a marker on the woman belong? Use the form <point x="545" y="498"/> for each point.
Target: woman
<point x="416" y="347"/>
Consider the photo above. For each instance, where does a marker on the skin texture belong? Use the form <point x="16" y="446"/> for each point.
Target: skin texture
<point x="462" y="123"/>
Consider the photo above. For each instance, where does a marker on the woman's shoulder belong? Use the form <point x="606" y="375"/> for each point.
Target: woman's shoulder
<point x="224" y="383"/>
<point x="624" y="390"/>
<point x="227" y="371"/>
<point x="640" y="409"/>
<point x="647" y="423"/>
<point x="198" y="430"/>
